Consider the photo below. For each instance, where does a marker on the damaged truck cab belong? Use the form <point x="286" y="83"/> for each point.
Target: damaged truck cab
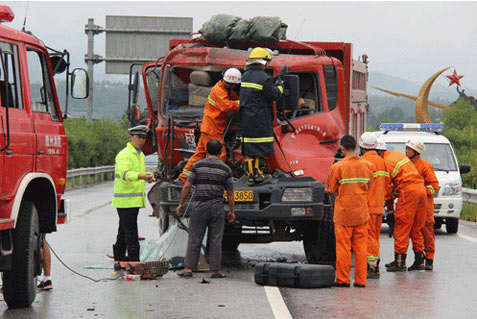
<point x="292" y="205"/>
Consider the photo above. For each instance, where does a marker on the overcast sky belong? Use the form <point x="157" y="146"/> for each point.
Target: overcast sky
<point x="411" y="40"/>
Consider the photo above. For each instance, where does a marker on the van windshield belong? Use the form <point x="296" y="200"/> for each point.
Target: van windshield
<point x="438" y="154"/>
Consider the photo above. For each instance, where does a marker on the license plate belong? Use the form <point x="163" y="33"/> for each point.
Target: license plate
<point x="241" y="196"/>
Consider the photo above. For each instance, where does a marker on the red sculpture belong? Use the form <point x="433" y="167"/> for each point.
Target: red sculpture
<point x="454" y="78"/>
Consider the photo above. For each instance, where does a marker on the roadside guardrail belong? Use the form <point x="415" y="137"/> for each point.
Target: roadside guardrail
<point x="469" y="195"/>
<point x="92" y="174"/>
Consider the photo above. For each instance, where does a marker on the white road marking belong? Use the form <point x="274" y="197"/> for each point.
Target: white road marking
<point x="277" y="303"/>
<point x="467" y="237"/>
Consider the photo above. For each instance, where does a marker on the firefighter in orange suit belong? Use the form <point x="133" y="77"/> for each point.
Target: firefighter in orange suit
<point x="414" y="149"/>
<point x="410" y="213"/>
<point x="376" y="197"/>
<point x="221" y="101"/>
<point x="350" y="179"/>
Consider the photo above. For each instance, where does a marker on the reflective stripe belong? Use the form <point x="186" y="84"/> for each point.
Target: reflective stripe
<point x="127" y="195"/>
<point x="354" y="180"/>
<point x="372" y="258"/>
<point x="186" y="172"/>
<point x="380" y="173"/>
<point x="124" y="174"/>
<point x="211" y="101"/>
<point x="117" y="176"/>
<point x="280" y="88"/>
<point x="238" y="101"/>
<point x="433" y="191"/>
<point x="257" y="139"/>
<point x="251" y="85"/>
<point x="396" y="168"/>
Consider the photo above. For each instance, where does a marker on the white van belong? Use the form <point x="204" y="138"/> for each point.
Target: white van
<point x="440" y="153"/>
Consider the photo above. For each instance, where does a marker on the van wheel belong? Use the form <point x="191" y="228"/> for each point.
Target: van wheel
<point x="319" y="238"/>
<point x="19" y="284"/>
<point x="452" y="225"/>
<point x="437" y="224"/>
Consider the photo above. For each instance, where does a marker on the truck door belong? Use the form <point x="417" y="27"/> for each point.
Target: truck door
<point x="16" y="129"/>
<point x="51" y="142"/>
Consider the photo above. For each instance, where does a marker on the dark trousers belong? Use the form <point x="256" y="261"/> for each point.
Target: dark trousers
<point x="211" y="218"/>
<point x="127" y="232"/>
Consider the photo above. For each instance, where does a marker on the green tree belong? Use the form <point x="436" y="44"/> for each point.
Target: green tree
<point x="460" y="127"/>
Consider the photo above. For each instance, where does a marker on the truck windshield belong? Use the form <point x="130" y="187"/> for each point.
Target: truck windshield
<point x="439" y="155"/>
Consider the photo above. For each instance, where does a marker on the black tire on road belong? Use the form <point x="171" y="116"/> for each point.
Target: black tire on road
<point x="452" y="225"/>
<point x="437" y="224"/>
<point x="319" y="238"/>
<point x="19" y="284"/>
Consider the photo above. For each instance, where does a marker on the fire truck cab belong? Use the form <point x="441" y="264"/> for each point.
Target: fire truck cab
<point x="33" y="154"/>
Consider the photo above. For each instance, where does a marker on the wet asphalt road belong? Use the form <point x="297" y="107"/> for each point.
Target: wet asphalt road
<point x="447" y="292"/>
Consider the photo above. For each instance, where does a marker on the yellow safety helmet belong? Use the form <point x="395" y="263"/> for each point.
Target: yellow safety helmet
<point x="259" y="53"/>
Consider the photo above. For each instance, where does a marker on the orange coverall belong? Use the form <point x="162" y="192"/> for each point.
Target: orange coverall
<point x="410" y="213"/>
<point x="350" y="179"/>
<point x="432" y="186"/>
<point x="376" y="198"/>
<point x="214" y="121"/>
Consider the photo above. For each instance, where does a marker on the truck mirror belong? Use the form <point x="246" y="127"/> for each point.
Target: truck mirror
<point x="79" y="84"/>
<point x="464" y="169"/>
<point x="291" y="91"/>
<point x="58" y="64"/>
<point x="135" y="87"/>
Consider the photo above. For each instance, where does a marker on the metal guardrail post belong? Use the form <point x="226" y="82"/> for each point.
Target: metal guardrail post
<point x="87" y="172"/>
<point x="469" y="195"/>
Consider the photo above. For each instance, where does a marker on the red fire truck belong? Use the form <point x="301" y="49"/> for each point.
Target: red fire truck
<point x="33" y="154"/>
<point x="293" y="204"/>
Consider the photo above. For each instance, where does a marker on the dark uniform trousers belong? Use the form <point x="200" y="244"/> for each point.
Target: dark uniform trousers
<point x="127" y="234"/>
<point x="211" y="217"/>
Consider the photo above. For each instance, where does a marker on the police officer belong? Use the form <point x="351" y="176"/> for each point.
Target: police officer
<point x="129" y="193"/>
<point x="258" y="90"/>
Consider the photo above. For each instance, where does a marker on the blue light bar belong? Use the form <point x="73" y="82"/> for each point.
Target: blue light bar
<point x="416" y="127"/>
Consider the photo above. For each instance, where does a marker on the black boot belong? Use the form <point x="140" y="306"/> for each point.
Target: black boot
<point x="133" y="253"/>
<point x="418" y="261"/>
<point x="373" y="269"/>
<point x="399" y="263"/>
<point x="392" y="263"/>
<point x="429" y="264"/>
<point x="119" y="253"/>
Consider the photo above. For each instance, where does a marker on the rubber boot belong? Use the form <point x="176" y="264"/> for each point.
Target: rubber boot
<point x="258" y="174"/>
<point x="373" y="269"/>
<point x="392" y="263"/>
<point x="400" y="263"/>
<point x="250" y="172"/>
<point x="429" y="264"/>
<point x="119" y="253"/>
<point x="418" y="261"/>
<point x="133" y="253"/>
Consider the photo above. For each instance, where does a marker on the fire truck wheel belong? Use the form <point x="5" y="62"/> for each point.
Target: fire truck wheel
<point x="19" y="284"/>
<point x="319" y="238"/>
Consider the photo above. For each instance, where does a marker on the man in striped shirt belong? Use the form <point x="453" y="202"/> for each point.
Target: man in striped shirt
<point x="350" y="179"/>
<point x="211" y="177"/>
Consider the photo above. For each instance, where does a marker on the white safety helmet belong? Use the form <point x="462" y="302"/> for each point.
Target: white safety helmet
<point x="232" y="75"/>
<point x="416" y="145"/>
<point x="367" y="141"/>
<point x="381" y="145"/>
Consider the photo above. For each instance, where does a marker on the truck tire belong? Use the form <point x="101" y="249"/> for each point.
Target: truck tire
<point x="230" y="243"/>
<point x="163" y="220"/>
<point x="452" y="225"/>
<point x="19" y="284"/>
<point x="319" y="238"/>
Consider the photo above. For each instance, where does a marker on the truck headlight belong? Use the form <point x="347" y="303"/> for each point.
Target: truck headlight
<point x="302" y="194"/>
<point x="451" y="189"/>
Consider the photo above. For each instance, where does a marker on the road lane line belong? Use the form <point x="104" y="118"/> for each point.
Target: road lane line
<point x="277" y="303"/>
<point x="467" y="237"/>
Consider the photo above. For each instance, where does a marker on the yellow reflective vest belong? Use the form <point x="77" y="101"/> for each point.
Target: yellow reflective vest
<point x="129" y="190"/>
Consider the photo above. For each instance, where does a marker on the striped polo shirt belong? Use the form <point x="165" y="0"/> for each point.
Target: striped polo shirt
<point x="210" y="177"/>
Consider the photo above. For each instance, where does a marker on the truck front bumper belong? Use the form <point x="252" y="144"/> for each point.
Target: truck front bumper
<point x="267" y="203"/>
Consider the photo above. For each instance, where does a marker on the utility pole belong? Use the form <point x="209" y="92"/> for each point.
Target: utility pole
<point x="90" y="59"/>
